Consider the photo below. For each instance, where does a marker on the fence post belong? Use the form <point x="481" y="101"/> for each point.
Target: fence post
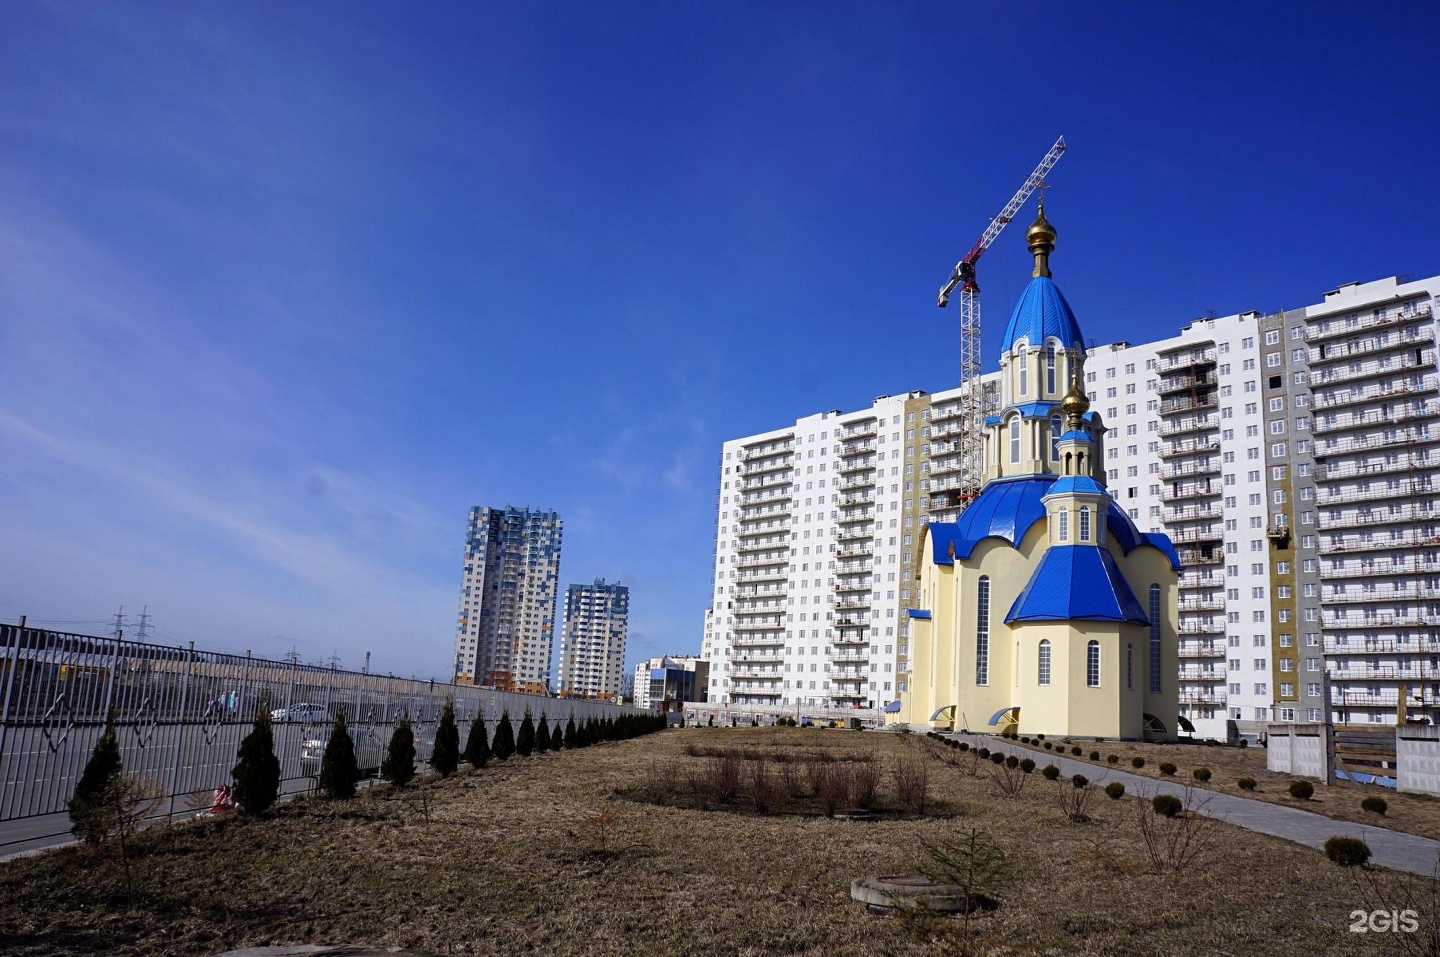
<point x="180" y="727"/>
<point x="15" y="631"/>
<point x="114" y="667"/>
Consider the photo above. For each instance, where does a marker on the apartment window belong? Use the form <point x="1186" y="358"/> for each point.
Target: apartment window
<point x="1272" y="337"/>
<point x="1092" y="664"/>
<point x="982" y="631"/>
<point x="1273" y="360"/>
<point x="1044" y="675"/>
<point x="1155" y="639"/>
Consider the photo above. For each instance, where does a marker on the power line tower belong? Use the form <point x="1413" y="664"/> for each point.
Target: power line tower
<point x="972" y="391"/>
<point x="143" y="631"/>
<point x="118" y="630"/>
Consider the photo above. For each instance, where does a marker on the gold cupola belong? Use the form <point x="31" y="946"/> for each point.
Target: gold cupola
<point x="1041" y="237"/>
<point x="1074" y="405"/>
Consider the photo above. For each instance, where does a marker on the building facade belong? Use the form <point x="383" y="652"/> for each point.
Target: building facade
<point x="670" y="680"/>
<point x="505" y="630"/>
<point x="592" y="646"/>
<point x="1229" y="437"/>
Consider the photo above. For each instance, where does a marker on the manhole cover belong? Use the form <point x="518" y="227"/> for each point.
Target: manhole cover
<point x="914" y="892"/>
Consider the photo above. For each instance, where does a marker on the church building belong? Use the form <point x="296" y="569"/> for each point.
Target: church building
<point x="1045" y="610"/>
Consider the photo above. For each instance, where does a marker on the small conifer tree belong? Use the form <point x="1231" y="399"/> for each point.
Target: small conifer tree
<point x="542" y="735"/>
<point x="399" y="765"/>
<point x="572" y="736"/>
<point x="525" y="741"/>
<point x="339" y="771"/>
<point x="477" y="742"/>
<point x="557" y="738"/>
<point x="88" y="808"/>
<point x="257" y="773"/>
<point x="504" y="744"/>
<point x="445" y="757"/>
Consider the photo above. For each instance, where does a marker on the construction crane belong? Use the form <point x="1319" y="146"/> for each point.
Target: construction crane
<point x="972" y="392"/>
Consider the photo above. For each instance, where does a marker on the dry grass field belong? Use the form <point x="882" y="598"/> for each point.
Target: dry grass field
<point x="651" y="846"/>
<point x="1412" y="813"/>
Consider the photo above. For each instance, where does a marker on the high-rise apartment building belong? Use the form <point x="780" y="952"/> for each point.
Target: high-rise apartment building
<point x="505" y="631"/>
<point x="1291" y="458"/>
<point x="592" y="645"/>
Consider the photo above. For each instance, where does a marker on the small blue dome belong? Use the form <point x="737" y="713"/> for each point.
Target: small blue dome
<point x="1042" y="313"/>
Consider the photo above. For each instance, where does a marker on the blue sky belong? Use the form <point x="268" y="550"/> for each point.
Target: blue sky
<point x="286" y="288"/>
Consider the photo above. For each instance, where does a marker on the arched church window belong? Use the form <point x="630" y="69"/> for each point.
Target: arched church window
<point x="982" y="631"/>
<point x="1049" y="370"/>
<point x="1054" y="438"/>
<point x="1015" y="440"/>
<point x="1044" y="676"/>
<point x="1154" y="639"/>
<point x="1084" y="524"/>
<point x="1129" y="666"/>
<point x="1064" y="524"/>
<point x="1024" y="371"/>
<point x="1092" y="664"/>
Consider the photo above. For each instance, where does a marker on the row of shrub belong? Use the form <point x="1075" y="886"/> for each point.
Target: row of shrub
<point x="103" y="791"/>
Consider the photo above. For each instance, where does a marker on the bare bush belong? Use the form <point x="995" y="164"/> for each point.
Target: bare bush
<point x="792" y="782"/>
<point x="817" y="773"/>
<point x="833" y="789"/>
<point x="912" y="781"/>
<point x="1010" y="778"/>
<point x="1174" y="843"/>
<point x="1073" y="798"/>
<point x="1415" y="901"/>
<point x="762" y="787"/>
<point x="864" y="783"/>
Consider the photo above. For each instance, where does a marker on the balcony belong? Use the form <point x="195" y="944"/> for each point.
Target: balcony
<point x="770" y="672"/>
<point x="851" y="449"/>
<point x="852" y="604"/>
<point x="1370" y="345"/>
<point x="1334" y="326"/>
<point x="1192" y="446"/>
<point x="1202" y="604"/>
<point x="1193" y="536"/>
<point x="1419" y="487"/>
<point x="770" y="623"/>
<point x="764" y="466"/>
<point x="1375" y="517"/>
<point x="1381" y="646"/>
<point x="1186" y="382"/>
<point x="853" y="533"/>
<point x="848" y="655"/>
<point x="1201" y="651"/>
<point x="782" y="493"/>
<point x="1202" y="469"/>
<point x="1415" y="435"/>
<point x="1190" y="403"/>
<point x="1376" y="420"/>
<point x="765" y="528"/>
<point x="1183" y="491"/>
<point x="772" y="542"/>
<point x="1194" y="513"/>
<point x="1397" y="460"/>
<point x="758" y="639"/>
<point x="1185" y="360"/>
<point x="860" y="480"/>
<point x="1406" y="591"/>
<point x="1373" y="569"/>
<point x="848" y="466"/>
<point x="1324" y="399"/>
<point x="857" y="430"/>
<point x="1415" y="619"/>
<point x="1191" y="557"/>
<point x="1201" y="674"/>
<point x="1201" y="697"/>
<point x="860" y="549"/>
<point x="857" y="499"/>
<point x="1411" y="538"/>
<point x="1189" y="425"/>
<point x="1209" y="626"/>
<point x="1376" y="367"/>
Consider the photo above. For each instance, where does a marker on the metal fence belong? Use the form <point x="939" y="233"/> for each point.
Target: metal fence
<point x="181" y="714"/>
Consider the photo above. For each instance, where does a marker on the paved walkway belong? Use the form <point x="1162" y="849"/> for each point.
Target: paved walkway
<point x="1393" y="849"/>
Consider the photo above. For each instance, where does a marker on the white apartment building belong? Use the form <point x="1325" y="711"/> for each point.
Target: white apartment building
<point x="1210" y="442"/>
<point x="592" y="644"/>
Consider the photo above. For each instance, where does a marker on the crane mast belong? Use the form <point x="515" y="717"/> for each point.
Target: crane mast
<point x="972" y="393"/>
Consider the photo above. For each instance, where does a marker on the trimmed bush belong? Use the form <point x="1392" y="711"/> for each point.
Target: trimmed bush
<point x="1094" y="755"/>
<point x="1012" y="762"/>
<point x="1137" y="762"/>
<point x="1166" y="805"/>
<point x="1347" y="851"/>
<point x="477" y="743"/>
<point x="445" y="755"/>
<point x="1201" y="774"/>
<point x="257" y="774"/>
<point x="1112" y="758"/>
<point x="1049" y="746"/>
<point x="1079" y="781"/>
<point x="1077" y="751"/>
<point x="1302" y="790"/>
<point x="542" y="735"/>
<point x="984" y="753"/>
<point x="1167" y="768"/>
<point x="996" y="757"/>
<point x="87" y="806"/>
<point x="572" y="734"/>
<point x="1246" y="784"/>
<point x="1114" y="790"/>
<point x="1051" y="772"/>
<point x="399" y="765"/>
<point x="964" y="746"/>
<point x="1024" y="740"/>
<point x="1243" y="743"/>
<point x="504" y="744"/>
<point x="339" y="771"/>
<point x="1027" y="765"/>
<point x="525" y="740"/>
<point x="1375" y="805"/>
<point x="557" y="737"/>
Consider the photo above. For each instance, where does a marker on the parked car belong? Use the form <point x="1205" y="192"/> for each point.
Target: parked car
<point x="369" y="752"/>
<point x="305" y="712"/>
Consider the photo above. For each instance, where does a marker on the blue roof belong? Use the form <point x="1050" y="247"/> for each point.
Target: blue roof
<point x="919" y="613"/>
<point x="1123" y="530"/>
<point x="1006" y="508"/>
<point x="1077" y="583"/>
<point x="1077" y="483"/>
<point x="1027" y="410"/>
<point x="1042" y="313"/>
<point x="893" y="707"/>
<point x="1075" y="434"/>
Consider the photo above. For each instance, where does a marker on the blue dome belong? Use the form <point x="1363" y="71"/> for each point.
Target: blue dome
<point x="1042" y="313"/>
